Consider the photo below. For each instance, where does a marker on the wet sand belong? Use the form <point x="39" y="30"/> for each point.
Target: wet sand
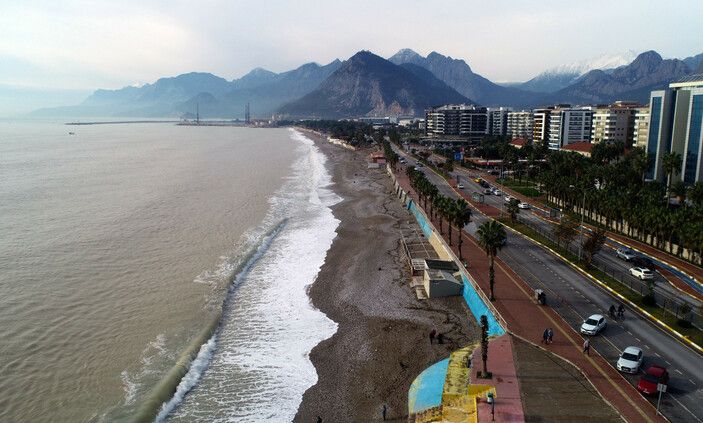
<point x="382" y="341"/>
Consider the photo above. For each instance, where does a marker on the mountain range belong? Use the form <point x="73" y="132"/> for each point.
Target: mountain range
<point x="368" y="85"/>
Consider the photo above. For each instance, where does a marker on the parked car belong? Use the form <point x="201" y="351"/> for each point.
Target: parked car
<point x="593" y="325"/>
<point x="643" y="262"/>
<point x="625" y="254"/>
<point x="653" y="376"/>
<point x="630" y="360"/>
<point x="524" y="206"/>
<point x="642" y="273"/>
<point x="460" y="186"/>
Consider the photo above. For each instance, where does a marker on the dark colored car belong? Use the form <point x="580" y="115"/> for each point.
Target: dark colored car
<point x="651" y="378"/>
<point x="640" y="261"/>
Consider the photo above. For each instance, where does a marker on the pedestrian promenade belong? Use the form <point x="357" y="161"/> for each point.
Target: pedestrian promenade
<point x="515" y="304"/>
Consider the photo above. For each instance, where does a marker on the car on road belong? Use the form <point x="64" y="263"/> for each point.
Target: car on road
<point x="460" y="186"/>
<point x="507" y="198"/>
<point x="630" y="360"/>
<point x="418" y="164"/>
<point x="593" y="325"/>
<point x="497" y="192"/>
<point x="625" y="253"/>
<point x="652" y="377"/>
<point x="643" y="262"/>
<point x="524" y="206"/>
<point x="402" y="161"/>
<point x="487" y="191"/>
<point x="493" y="172"/>
<point x="478" y="180"/>
<point x="642" y="273"/>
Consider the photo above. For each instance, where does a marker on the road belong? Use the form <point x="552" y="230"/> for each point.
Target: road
<point x="576" y="297"/>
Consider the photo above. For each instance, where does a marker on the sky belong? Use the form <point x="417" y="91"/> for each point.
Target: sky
<point x="74" y="46"/>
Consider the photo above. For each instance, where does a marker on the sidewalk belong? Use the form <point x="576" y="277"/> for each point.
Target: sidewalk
<point x="526" y="319"/>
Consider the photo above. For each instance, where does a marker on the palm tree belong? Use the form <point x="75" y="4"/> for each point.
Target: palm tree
<point x="513" y="209"/>
<point x="448" y="210"/>
<point x="439" y="201"/>
<point x="671" y="164"/>
<point x="491" y="237"/>
<point x="462" y="216"/>
<point x="695" y="193"/>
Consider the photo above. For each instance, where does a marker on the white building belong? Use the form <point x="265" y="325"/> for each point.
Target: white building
<point x="520" y="125"/>
<point x="465" y="121"/>
<point x="614" y="123"/>
<point x="540" y="125"/>
<point x="569" y="125"/>
<point x="498" y="121"/>
<point x="640" y="132"/>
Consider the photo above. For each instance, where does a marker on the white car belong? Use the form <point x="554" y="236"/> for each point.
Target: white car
<point x="642" y="273"/>
<point x="460" y="186"/>
<point x="523" y="206"/>
<point x="630" y="360"/>
<point x="625" y="254"/>
<point x="593" y="325"/>
<point x="508" y="198"/>
<point x="497" y="192"/>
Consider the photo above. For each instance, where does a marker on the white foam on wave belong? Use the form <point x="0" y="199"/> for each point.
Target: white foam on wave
<point x="261" y="367"/>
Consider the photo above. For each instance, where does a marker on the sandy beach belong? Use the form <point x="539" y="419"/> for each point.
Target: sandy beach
<point x="382" y="341"/>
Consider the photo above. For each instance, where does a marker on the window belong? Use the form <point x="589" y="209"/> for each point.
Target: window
<point x="694" y="139"/>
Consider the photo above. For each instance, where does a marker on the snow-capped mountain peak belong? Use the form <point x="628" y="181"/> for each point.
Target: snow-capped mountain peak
<point x="605" y="61"/>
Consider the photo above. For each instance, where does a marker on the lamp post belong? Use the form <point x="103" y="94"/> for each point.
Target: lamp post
<point x="492" y="402"/>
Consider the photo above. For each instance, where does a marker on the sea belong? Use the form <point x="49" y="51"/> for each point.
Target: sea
<point x="156" y="272"/>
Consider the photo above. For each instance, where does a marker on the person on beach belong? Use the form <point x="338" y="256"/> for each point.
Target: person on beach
<point x="319" y="419"/>
<point x="433" y="332"/>
<point x="545" y="336"/>
<point x="587" y="347"/>
<point x="383" y="412"/>
<point x="440" y="338"/>
<point x="550" y="336"/>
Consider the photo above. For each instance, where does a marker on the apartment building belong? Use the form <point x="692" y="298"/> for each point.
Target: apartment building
<point x="640" y="133"/>
<point x="498" y="121"/>
<point x="614" y="123"/>
<point x="568" y="125"/>
<point x="540" y="125"/>
<point x="464" y="121"/>
<point x="520" y="125"/>
<point x="676" y="125"/>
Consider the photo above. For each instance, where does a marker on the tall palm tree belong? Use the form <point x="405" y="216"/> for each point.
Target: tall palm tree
<point x="438" y="205"/>
<point x="513" y="209"/>
<point x="448" y="210"/>
<point x="491" y="237"/>
<point x="671" y="164"/>
<point x="462" y="216"/>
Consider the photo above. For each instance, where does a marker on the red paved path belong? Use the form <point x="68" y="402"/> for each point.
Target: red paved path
<point x="502" y="364"/>
<point x="525" y="318"/>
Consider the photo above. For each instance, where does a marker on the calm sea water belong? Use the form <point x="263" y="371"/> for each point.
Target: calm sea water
<point x="122" y="245"/>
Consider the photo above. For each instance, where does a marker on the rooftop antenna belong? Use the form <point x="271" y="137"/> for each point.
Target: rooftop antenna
<point x="247" y="114"/>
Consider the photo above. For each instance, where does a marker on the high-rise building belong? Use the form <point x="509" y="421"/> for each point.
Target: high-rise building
<point x="568" y="125"/>
<point x="540" y="125"/>
<point x="614" y="123"/>
<point x="520" y="125"/>
<point x="467" y="122"/>
<point x="498" y="121"/>
<point x="640" y="132"/>
<point x="676" y="125"/>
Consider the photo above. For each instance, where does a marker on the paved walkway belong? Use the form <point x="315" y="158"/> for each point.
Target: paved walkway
<point x="526" y="319"/>
<point x="508" y="405"/>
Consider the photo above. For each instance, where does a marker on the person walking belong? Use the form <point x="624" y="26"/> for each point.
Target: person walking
<point x="383" y="412"/>
<point x="611" y="311"/>
<point x="621" y="310"/>
<point x="587" y="347"/>
<point x="545" y="336"/>
<point x="433" y="332"/>
<point x="550" y="336"/>
<point x="319" y="419"/>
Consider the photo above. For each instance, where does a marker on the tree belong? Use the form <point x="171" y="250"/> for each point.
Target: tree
<point x="491" y="237"/>
<point x="513" y="209"/>
<point x="695" y="193"/>
<point x="484" y="344"/>
<point x="671" y="164"/>
<point x="592" y="245"/>
<point x="678" y="189"/>
<point x="462" y="216"/>
<point x="448" y="211"/>
<point x="565" y="231"/>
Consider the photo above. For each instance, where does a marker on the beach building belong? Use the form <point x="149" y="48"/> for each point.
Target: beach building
<point x="520" y="125"/>
<point x="676" y="125"/>
<point x="569" y="124"/>
<point x="540" y="125"/>
<point x="442" y="278"/>
<point x="465" y="122"/>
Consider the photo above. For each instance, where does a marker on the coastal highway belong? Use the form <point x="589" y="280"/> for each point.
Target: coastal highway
<point x="575" y="297"/>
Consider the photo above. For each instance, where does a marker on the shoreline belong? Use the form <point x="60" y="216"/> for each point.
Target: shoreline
<point x="381" y="342"/>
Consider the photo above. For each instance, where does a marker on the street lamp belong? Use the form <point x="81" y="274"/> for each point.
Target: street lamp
<point x="583" y="215"/>
<point x="492" y="402"/>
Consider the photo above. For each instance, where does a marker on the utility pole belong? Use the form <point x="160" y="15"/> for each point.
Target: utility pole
<point x="583" y="214"/>
<point x="197" y="113"/>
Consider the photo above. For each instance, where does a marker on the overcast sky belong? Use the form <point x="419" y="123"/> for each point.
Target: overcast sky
<point x="87" y="44"/>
